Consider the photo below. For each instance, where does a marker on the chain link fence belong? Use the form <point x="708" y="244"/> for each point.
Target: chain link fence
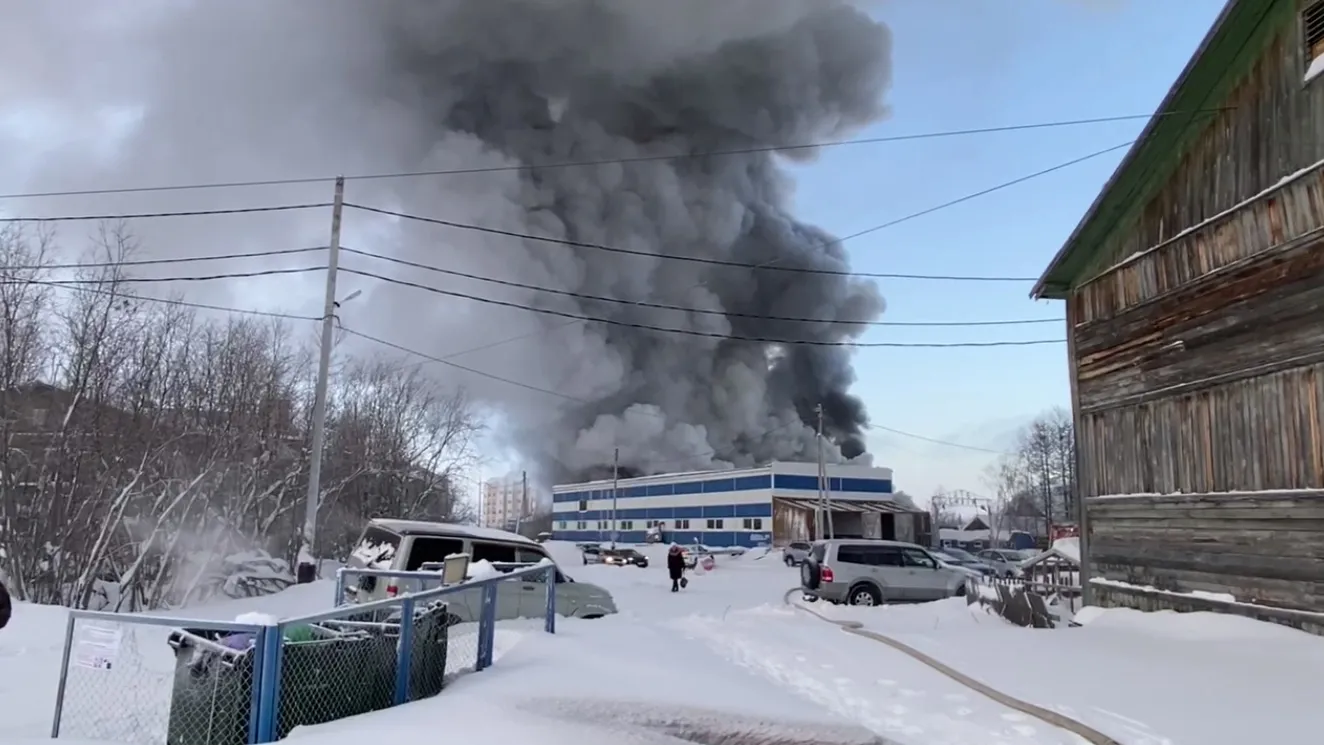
<point x="143" y="680"/>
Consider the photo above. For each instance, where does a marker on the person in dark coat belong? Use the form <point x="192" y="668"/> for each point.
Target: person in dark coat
<point x="675" y="566"/>
<point x="6" y="607"/>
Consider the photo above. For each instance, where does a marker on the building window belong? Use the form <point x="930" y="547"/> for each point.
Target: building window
<point x="715" y="524"/>
<point x="627" y="525"/>
<point x="581" y="525"/>
<point x="583" y="505"/>
<point x="753" y="523"/>
<point x="682" y="525"/>
<point x="1312" y="31"/>
<point x="560" y="524"/>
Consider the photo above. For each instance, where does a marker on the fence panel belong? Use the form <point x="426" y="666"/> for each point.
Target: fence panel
<point x="144" y="680"/>
<point x="1025" y="602"/>
<point x="371" y="656"/>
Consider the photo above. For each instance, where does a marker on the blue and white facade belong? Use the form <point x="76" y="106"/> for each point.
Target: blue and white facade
<point x="746" y="507"/>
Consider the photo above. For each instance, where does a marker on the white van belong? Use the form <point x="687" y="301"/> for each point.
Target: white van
<point x="408" y="545"/>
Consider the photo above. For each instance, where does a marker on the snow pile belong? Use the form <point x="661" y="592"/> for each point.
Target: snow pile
<point x="1068" y="547"/>
<point x="254" y="618"/>
<point x="481" y="570"/>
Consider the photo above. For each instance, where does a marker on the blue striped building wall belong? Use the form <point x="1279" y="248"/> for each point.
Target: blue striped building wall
<point x="722" y="509"/>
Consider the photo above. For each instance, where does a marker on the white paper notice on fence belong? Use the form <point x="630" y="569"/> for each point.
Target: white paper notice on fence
<point x="96" y="647"/>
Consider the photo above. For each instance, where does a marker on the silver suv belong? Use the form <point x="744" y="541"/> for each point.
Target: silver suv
<point x="864" y="572"/>
<point x="794" y="554"/>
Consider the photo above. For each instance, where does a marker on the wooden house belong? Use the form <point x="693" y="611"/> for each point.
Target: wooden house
<point x="1194" y="291"/>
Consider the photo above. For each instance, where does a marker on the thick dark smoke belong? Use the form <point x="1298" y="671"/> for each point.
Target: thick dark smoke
<point x="420" y="84"/>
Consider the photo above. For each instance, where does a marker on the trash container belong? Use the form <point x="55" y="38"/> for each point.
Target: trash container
<point x="427" y="672"/>
<point x="212" y="696"/>
<point x="338" y="675"/>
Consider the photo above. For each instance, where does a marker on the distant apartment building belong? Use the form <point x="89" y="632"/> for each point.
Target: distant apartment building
<point x="503" y="503"/>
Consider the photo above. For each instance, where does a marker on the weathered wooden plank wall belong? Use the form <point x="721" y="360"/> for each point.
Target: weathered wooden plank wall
<point x="1272" y="126"/>
<point x="1200" y="363"/>
<point x="1266" y="547"/>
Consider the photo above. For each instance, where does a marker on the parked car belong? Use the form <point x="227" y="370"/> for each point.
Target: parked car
<point x="795" y="552"/>
<point x="868" y="572"/>
<point x="623" y="557"/>
<point x="961" y="557"/>
<point x="1006" y="562"/>
<point x="591" y="554"/>
<point x="407" y="545"/>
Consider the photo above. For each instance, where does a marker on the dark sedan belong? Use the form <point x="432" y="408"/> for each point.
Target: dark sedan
<point x="624" y="557"/>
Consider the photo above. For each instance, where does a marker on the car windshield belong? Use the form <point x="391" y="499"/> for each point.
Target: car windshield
<point x="960" y="555"/>
<point x="800" y="546"/>
<point x="944" y="556"/>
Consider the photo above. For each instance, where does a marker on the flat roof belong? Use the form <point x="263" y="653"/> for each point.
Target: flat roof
<point x="835" y="470"/>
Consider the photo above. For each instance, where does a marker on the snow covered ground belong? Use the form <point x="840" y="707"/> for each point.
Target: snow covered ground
<point x="728" y="656"/>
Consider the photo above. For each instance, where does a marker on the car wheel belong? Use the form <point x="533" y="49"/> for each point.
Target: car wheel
<point x="960" y="590"/>
<point x="866" y="596"/>
<point x="789" y="561"/>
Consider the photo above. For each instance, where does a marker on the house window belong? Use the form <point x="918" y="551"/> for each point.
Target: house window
<point x="715" y="524"/>
<point x="1312" y="31"/>
<point x="753" y="523"/>
<point x="682" y="525"/>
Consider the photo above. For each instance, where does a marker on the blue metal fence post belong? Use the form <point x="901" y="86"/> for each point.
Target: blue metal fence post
<point x="487" y="626"/>
<point x="255" y="701"/>
<point x="404" y="655"/>
<point x="269" y="683"/>
<point x="64" y="674"/>
<point x="549" y="625"/>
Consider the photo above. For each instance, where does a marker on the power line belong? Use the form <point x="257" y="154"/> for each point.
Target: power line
<point x="193" y="278"/>
<point x="692" y="332"/>
<point x="457" y="366"/>
<point x="154" y="262"/>
<point x="936" y="441"/>
<point x="769" y="266"/>
<point x="160" y="300"/>
<point x="442" y="360"/>
<point x="684" y="309"/>
<point x="186" y="213"/>
<point x="609" y="161"/>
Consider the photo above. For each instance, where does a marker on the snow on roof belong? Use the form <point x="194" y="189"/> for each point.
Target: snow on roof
<point x="1062" y="548"/>
<point x="468" y="531"/>
<point x="1068" y="547"/>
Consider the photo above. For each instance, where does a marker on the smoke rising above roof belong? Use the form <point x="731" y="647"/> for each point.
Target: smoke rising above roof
<point x="294" y="87"/>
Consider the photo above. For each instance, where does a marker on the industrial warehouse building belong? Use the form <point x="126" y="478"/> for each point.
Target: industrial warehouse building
<point x="748" y="507"/>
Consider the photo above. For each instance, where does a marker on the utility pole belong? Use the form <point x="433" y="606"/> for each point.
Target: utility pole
<point x="615" y="491"/>
<point x="824" y="510"/>
<point x="307" y="564"/>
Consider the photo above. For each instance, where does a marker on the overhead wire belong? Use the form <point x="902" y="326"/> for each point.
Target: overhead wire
<point x="190" y="278"/>
<point x="689" y="332"/>
<point x="686" y="309"/>
<point x="179" y="213"/>
<point x="771" y="265"/>
<point x="253" y="183"/>
<point x="157" y="262"/>
<point x="158" y="300"/>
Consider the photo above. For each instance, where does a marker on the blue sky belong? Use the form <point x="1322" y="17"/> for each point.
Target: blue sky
<point x="986" y="64"/>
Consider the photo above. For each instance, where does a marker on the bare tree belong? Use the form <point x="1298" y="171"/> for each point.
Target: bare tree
<point x="158" y="457"/>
